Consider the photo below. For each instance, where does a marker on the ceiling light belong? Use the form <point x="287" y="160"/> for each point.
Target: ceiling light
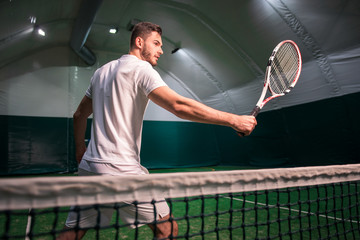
<point x="113" y="30"/>
<point x="41" y="32"/>
<point x="32" y="19"/>
<point x="175" y="50"/>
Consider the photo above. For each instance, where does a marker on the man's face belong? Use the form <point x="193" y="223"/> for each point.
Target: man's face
<point x="152" y="48"/>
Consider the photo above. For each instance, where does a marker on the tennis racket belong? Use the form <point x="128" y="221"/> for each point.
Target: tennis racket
<point x="282" y="73"/>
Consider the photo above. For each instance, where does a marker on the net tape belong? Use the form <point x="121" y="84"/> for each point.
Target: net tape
<point x="42" y="192"/>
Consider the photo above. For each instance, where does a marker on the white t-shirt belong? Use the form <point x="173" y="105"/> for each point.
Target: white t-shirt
<point x="119" y="93"/>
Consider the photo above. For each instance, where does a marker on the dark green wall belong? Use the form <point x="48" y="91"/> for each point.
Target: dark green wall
<point x="318" y="133"/>
<point x="35" y="145"/>
<point x="179" y="144"/>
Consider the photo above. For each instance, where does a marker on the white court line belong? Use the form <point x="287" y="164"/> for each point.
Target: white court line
<point x="28" y="226"/>
<point x="295" y="210"/>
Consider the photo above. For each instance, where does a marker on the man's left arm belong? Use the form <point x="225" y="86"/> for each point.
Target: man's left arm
<point x="81" y="115"/>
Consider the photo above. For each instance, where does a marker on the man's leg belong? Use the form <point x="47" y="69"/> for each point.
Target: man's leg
<point x="85" y="217"/>
<point x="165" y="229"/>
<point x="71" y="234"/>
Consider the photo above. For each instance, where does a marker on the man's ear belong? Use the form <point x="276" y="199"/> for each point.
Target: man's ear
<point x="139" y="42"/>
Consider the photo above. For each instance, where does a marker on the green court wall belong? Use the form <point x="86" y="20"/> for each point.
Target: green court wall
<point x="319" y="133"/>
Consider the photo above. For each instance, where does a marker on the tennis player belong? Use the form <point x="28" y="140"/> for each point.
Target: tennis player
<point x="117" y="97"/>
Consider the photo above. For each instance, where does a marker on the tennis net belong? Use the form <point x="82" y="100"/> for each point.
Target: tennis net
<point x="285" y="203"/>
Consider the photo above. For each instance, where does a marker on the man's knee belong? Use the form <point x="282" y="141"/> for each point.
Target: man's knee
<point x="69" y="234"/>
<point x="165" y="228"/>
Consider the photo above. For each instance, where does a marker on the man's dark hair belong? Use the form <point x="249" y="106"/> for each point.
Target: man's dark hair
<point x="143" y="29"/>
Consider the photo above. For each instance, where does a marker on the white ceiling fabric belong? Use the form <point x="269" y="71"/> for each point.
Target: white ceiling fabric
<point x="224" y="45"/>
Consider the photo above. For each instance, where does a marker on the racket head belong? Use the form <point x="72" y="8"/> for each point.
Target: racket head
<point x="284" y="68"/>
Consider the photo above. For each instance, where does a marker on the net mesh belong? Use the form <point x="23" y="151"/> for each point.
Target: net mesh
<point x="291" y="203"/>
<point x="284" y="68"/>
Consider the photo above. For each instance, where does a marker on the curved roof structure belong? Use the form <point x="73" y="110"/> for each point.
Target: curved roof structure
<point x="224" y="45"/>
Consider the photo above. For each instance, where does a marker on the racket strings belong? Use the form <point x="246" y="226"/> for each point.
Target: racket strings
<point x="283" y="69"/>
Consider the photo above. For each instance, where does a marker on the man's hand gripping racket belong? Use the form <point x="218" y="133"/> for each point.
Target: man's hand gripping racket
<point x="282" y="73"/>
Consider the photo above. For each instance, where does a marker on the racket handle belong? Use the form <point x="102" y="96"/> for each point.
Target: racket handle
<point x="254" y="113"/>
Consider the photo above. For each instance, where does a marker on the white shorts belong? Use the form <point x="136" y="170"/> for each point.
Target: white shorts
<point x="89" y="216"/>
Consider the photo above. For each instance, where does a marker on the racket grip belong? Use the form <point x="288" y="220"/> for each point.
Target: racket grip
<point x="255" y="111"/>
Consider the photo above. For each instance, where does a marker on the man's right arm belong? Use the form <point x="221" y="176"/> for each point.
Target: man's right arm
<point x="80" y="117"/>
<point x="192" y="110"/>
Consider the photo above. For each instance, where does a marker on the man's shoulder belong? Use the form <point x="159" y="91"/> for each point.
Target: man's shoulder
<point x="127" y="62"/>
<point x="107" y="65"/>
<point x="131" y="59"/>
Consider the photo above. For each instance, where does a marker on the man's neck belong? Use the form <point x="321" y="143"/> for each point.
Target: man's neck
<point x="135" y="53"/>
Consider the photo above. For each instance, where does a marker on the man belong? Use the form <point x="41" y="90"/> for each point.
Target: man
<point x="117" y="97"/>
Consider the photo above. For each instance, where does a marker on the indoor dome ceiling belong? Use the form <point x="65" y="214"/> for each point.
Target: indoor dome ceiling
<point x="224" y="45"/>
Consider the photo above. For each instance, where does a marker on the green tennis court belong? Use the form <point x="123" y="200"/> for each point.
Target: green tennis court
<point x="316" y="212"/>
